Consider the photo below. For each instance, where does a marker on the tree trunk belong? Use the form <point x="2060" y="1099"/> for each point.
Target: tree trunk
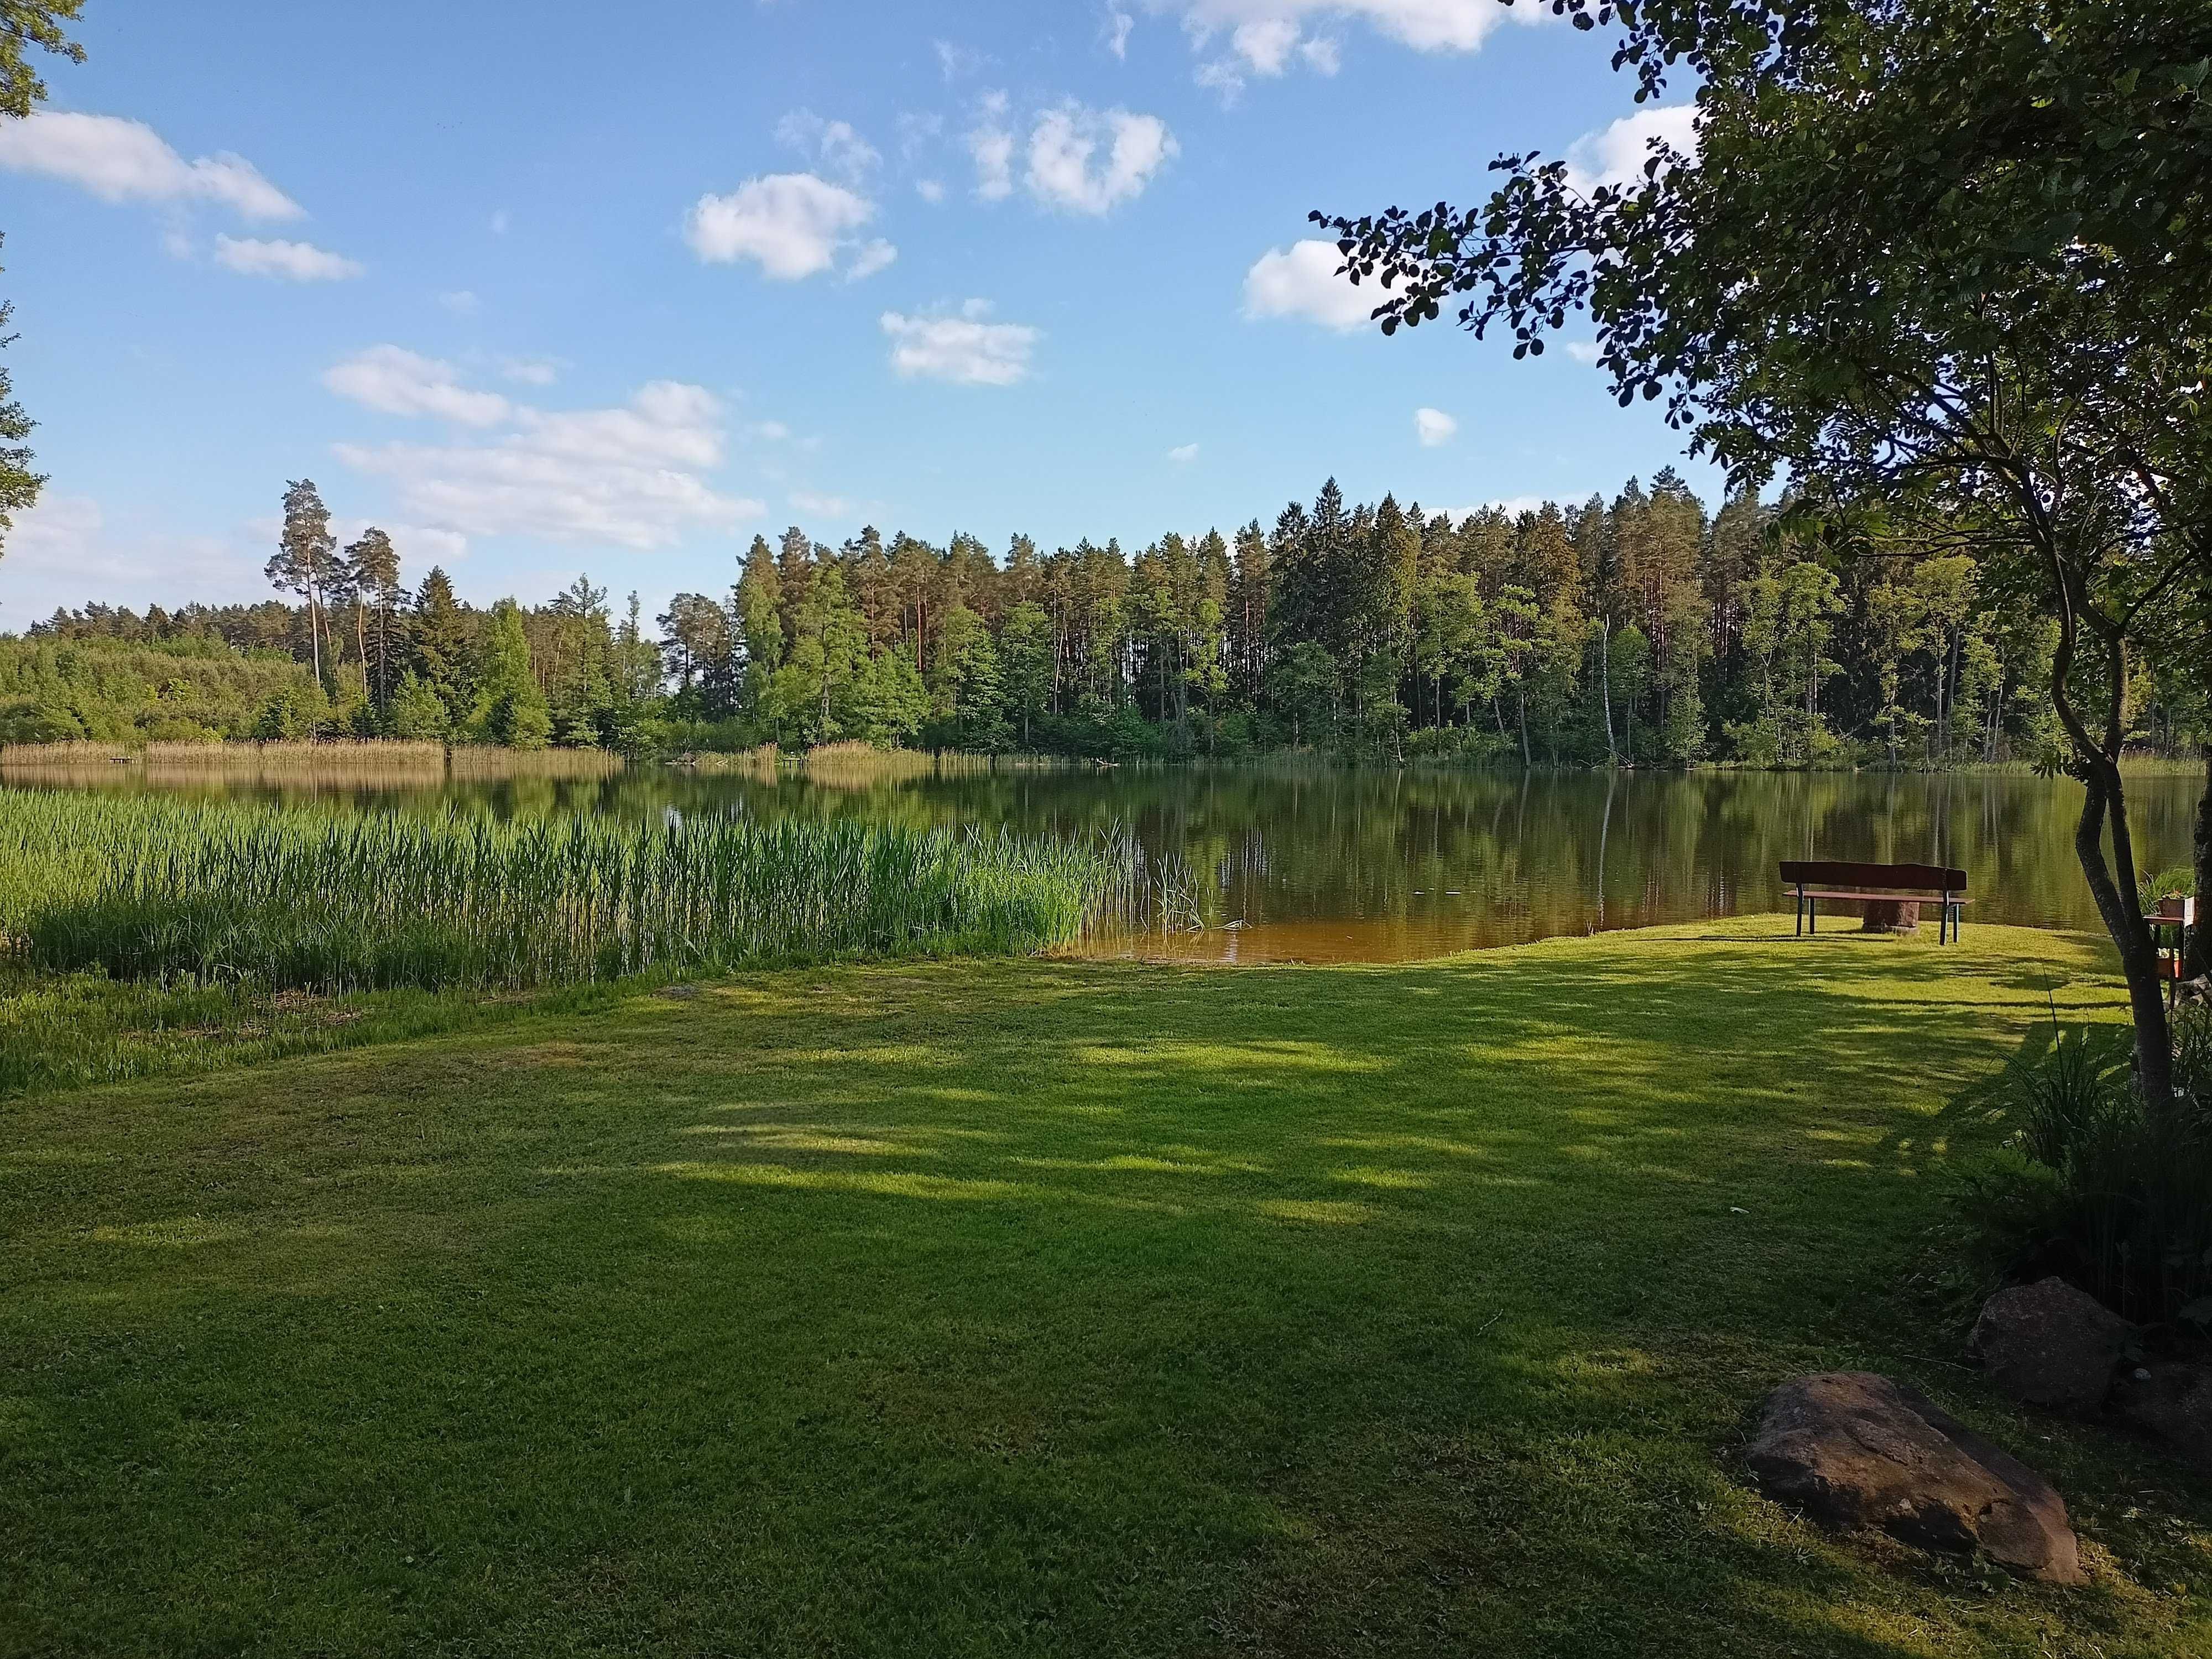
<point x="1891" y="916"/>
<point x="1605" y="687"/>
<point x="2113" y="884"/>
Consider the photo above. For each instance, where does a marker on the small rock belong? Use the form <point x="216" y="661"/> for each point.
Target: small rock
<point x="1853" y="1449"/>
<point x="2049" y="1344"/>
<point x="2171" y="1402"/>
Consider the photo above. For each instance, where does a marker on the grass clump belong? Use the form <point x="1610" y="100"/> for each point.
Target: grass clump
<point x="140" y="889"/>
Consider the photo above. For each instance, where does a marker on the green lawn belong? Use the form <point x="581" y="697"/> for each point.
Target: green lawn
<point x="1045" y="1307"/>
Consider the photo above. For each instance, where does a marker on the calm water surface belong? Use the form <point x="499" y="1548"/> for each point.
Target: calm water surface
<point x="1279" y="865"/>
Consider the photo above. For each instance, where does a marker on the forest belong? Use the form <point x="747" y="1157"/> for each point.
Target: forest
<point x="1646" y="630"/>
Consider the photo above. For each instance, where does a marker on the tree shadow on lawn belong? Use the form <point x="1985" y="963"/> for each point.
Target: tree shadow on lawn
<point x="1075" y="1306"/>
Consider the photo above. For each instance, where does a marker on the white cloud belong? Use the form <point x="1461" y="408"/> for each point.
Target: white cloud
<point x="1302" y="281"/>
<point x="532" y="371"/>
<point x="418" y="548"/>
<point x="993" y="148"/>
<point x="64" y="550"/>
<point x="834" y="145"/>
<point x="1066" y="169"/>
<point x="827" y="507"/>
<point x="774" y="431"/>
<point x="956" y="61"/>
<point x="393" y="380"/>
<point x="1426" y="25"/>
<point x="871" y="258"/>
<point x="792" y="224"/>
<point x="1266" y="37"/>
<point x="629" y="476"/>
<point x="1433" y="427"/>
<point x="1265" y="43"/>
<point x="1514" y="505"/>
<point x="1115" y="33"/>
<point x="500" y="221"/>
<point x="963" y="350"/>
<point x="1222" y="76"/>
<point x="1183" y="455"/>
<point x="931" y="191"/>
<point x="1616" y="155"/>
<point x="461" y="302"/>
<point x="120" y="161"/>
<point x="294" y="262"/>
<point x="917" y="131"/>
<point x="1582" y="351"/>
<point x="56" y="529"/>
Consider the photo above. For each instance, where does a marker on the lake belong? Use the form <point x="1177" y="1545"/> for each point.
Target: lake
<point x="1267" y="864"/>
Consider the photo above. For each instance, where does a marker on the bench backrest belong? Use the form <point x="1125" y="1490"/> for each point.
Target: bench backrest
<point x="1934" y="877"/>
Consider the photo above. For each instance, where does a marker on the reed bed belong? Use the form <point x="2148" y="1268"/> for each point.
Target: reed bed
<point x="146" y="888"/>
<point x="62" y="756"/>
<point x="862" y="765"/>
<point x="487" y="761"/>
<point x="759" y="763"/>
<point x="347" y="757"/>
<point x="859" y="765"/>
<point x="351" y="755"/>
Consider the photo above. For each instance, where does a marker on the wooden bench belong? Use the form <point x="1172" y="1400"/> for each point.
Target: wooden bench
<point x="1904" y="887"/>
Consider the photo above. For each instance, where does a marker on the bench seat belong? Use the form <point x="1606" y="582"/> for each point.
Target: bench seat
<point x="1923" y="897"/>
<point x="1809" y="881"/>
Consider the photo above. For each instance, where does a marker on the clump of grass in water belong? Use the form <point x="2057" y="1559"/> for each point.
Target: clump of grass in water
<point x="139" y="888"/>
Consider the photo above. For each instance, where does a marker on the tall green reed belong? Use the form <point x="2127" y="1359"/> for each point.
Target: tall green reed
<point x="148" y="888"/>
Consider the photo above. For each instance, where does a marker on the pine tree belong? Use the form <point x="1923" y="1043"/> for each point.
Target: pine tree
<point x="1248" y="614"/>
<point x="372" y="568"/>
<point x="442" y="640"/>
<point x="301" y="563"/>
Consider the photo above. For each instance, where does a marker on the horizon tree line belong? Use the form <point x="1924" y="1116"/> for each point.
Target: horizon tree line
<point x="1643" y="631"/>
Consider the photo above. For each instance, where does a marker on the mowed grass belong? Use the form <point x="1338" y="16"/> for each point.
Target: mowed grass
<point x="1046" y="1307"/>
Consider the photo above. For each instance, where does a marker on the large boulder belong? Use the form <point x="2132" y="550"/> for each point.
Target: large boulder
<point x="2049" y="1344"/>
<point x="1852" y="1449"/>
<point x="2170" y="1402"/>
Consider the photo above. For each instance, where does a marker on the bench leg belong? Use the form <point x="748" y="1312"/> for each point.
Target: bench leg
<point x="1813" y="914"/>
<point x="1801" y="915"/>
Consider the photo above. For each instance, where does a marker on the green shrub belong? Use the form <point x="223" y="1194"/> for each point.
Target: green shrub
<point x="2106" y="1192"/>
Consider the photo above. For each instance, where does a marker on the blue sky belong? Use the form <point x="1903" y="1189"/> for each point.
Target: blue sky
<point x="539" y="297"/>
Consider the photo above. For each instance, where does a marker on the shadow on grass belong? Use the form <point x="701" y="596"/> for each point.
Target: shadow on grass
<point x="1038" y="1307"/>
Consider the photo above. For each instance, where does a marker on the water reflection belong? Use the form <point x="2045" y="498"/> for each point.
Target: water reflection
<point x="1337" y="867"/>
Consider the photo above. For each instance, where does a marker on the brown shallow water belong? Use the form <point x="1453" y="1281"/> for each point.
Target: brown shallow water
<point x="1273" y="864"/>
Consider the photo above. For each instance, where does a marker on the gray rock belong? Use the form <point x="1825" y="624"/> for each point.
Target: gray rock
<point x="2049" y="1344"/>
<point x="1853" y="1449"/>
<point x="2172" y="1403"/>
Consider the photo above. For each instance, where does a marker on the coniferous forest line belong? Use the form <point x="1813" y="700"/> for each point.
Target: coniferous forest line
<point x="1643" y="631"/>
